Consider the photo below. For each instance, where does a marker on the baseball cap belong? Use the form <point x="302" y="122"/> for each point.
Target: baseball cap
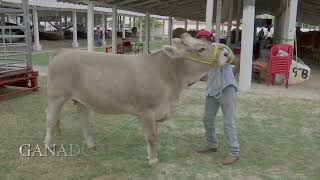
<point x="203" y="32"/>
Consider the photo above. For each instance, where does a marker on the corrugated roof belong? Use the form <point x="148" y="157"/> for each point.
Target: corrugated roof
<point x="308" y="10"/>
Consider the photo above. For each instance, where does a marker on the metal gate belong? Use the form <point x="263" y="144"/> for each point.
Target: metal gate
<point x="15" y="51"/>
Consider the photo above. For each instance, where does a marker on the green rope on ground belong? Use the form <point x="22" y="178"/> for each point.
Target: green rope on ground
<point x="117" y="129"/>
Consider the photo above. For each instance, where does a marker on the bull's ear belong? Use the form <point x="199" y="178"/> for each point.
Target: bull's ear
<point x="172" y="52"/>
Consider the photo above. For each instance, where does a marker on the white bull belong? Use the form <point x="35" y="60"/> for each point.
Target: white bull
<point x="143" y="85"/>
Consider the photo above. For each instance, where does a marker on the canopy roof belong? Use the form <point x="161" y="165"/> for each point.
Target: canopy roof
<point x="308" y="10"/>
<point x="54" y="5"/>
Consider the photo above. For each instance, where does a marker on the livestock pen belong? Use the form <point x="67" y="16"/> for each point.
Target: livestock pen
<point x="15" y="58"/>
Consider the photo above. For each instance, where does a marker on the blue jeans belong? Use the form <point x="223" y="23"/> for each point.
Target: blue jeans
<point x="228" y="103"/>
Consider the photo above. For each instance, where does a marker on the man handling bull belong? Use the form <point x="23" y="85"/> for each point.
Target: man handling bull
<point x="221" y="92"/>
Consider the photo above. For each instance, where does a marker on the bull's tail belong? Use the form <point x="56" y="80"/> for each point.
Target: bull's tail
<point x="59" y="126"/>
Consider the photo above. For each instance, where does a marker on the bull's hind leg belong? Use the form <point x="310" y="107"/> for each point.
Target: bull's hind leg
<point x="53" y="116"/>
<point x="148" y="125"/>
<point x="83" y="112"/>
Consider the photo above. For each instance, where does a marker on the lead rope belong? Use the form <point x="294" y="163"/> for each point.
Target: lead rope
<point x="222" y="84"/>
<point x="296" y="46"/>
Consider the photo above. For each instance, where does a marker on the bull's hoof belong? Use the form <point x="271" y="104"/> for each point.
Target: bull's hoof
<point x="153" y="162"/>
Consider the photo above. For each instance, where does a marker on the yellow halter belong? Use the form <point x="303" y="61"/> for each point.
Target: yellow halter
<point x="215" y="54"/>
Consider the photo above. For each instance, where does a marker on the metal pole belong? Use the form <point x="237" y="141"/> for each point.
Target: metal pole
<point x="26" y="24"/>
<point x="163" y="23"/>
<point x="146" y="33"/>
<point x="209" y="15"/>
<point x="237" y="40"/>
<point x="290" y="22"/>
<point x="247" y="45"/>
<point x="229" y="22"/>
<point x="75" y="43"/>
<point x="114" y="29"/>
<point x="103" y="28"/>
<point x="60" y="24"/>
<point x="90" y="21"/>
<point x="123" y="27"/>
<point x="153" y="32"/>
<point x="197" y="25"/>
<point x="186" y="24"/>
<point x="37" y="45"/>
<point x="170" y="29"/>
<point x="218" y="21"/>
<point x="140" y="30"/>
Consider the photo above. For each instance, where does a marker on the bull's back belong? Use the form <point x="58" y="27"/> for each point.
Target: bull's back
<point x="114" y="82"/>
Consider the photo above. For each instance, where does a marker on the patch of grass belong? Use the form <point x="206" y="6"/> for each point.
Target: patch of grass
<point x="41" y="59"/>
<point x="157" y="44"/>
<point x="279" y="139"/>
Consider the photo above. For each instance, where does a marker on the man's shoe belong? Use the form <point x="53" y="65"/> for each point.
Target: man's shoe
<point x="207" y="150"/>
<point x="230" y="160"/>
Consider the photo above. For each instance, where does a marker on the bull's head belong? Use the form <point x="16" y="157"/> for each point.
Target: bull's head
<point x="197" y="50"/>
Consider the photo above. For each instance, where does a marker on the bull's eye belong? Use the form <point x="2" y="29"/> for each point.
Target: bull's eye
<point x="202" y="49"/>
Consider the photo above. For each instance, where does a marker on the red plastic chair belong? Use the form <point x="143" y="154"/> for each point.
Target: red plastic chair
<point x="279" y="64"/>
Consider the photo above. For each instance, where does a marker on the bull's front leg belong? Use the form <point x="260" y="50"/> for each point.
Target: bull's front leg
<point x="148" y="125"/>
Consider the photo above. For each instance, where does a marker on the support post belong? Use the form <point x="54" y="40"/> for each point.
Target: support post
<point x="237" y="38"/>
<point x="75" y="43"/>
<point x="140" y="30"/>
<point x="186" y="24"/>
<point x="37" y="46"/>
<point x="197" y="25"/>
<point x="230" y="18"/>
<point x="134" y="21"/>
<point x="163" y="23"/>
<point x="65" y="20"/>
<point x="146" y="34"/>
<point x="90" y="21"/>
<point x="3" y="19"/>
<point x="153" y="32"/>
<point x="26" y="24"/>
<point x="103" y="28"/>
<point x="123" y="27"/>
<point x="114" y="29"/>
<point x="218" y="21"/>
<point x="290" y="22"/>
<point x="209" y="15"/>
<point x="60" y="24"/>
<point x="170" y="29"/>
<point x="247" y="45"/>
